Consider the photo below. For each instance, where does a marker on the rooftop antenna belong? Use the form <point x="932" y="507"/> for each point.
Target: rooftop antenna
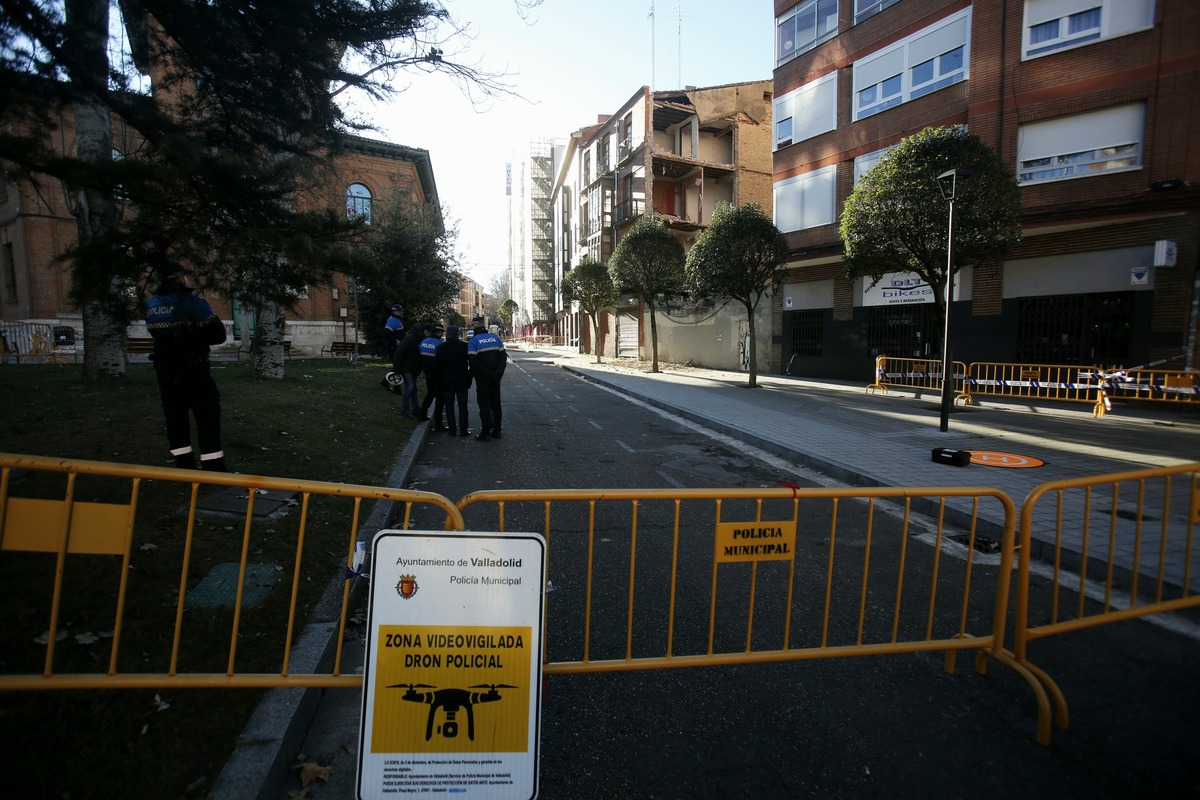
<point x="652" y="56"/>
<point x="679" y="45"/>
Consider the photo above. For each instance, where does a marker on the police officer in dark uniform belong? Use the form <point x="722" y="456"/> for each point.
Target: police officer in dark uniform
<point x="183" y="327"/>
<point x="486" y="354"/>
<point x="433" y="384"/>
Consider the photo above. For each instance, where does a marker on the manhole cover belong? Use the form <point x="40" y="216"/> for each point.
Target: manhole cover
<point x="231" y="502"/>
<point x="218" y="589"/>
<point x="992" y="458"/>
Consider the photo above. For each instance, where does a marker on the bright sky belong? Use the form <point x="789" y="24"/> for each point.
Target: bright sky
<point x="571" y="60"/>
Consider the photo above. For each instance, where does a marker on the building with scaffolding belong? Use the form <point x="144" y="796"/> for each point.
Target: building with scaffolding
<point x="532" y="276"/>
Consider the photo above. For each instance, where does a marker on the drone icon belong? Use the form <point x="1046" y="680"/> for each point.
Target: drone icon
<point x="451" y="700"/>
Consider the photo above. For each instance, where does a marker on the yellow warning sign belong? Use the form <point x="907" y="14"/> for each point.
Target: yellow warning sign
<point x="755" y="541"/>
<point x="461" y="689"/>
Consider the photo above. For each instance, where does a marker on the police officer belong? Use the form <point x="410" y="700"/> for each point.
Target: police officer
<point x="393" y="332"/>
<point x="183" y="327"/>
<point x="433" y="384"/>
<point x="486" y="354"/>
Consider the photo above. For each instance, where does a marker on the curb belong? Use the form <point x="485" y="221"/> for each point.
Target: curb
<point x="267" y="746"/>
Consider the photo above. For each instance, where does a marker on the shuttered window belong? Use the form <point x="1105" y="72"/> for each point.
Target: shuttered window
<point x="806" y="112"/>
<point x="1081" y="145"/>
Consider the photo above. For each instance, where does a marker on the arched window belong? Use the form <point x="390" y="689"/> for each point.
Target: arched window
<point x="358" y="202"/>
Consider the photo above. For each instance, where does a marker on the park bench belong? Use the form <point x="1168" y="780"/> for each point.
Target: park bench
<point x="339" y="349"/>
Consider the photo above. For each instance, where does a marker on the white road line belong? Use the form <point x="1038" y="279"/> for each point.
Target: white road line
<point x="627" y="447"/>
<point x="595" y="424"/>
<point x="670" y="480"/>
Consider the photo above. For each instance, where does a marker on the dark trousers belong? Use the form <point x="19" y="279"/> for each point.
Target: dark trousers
<point x="433" y="396"/>
<point x="487" y="394"/>
<point x="185" y="390"/>
<point x="456" y="422"/>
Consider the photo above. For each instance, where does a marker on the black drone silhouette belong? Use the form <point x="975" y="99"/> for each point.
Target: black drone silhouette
<point x="451" y="700"/>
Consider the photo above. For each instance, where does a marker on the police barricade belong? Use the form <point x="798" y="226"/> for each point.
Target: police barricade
<point x="1180" y="387"/>
<point x="649" y="579"/>
<point x="1131" y="529"/>
<point x="107" y="558"/>
<point x="1068" y="383"/>
<point x="920" y="374"/>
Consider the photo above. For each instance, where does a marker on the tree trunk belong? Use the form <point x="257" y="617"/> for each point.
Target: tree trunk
<point x="268" y="341"/>
<point x="653" y="339"/>
<point x="752" y="348"/>
<point x="597" y="342"/>
<point x="95" y="212"/>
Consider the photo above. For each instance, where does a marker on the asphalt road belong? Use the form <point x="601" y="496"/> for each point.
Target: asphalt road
<point x="880" y="726"/>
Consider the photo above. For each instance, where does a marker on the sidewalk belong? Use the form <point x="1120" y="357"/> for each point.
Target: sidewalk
<point x="863" y="439"/>
<point x="835" y="428"/>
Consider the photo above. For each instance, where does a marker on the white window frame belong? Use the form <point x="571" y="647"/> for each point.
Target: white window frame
<point x="869" y="8"/>
<point x="360" y="205"/>
<point x="789" y="16"/>
<point x="1117" y="18"/>
<point x="806" y="112"/>
<point x="815" y="192"/>
<point x="864" y="163"/>
<point x="1081" y="145"/>
<point x="890" y="69"/>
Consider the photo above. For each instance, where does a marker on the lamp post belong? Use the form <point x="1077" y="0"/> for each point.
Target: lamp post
<point x="949" y="182"/>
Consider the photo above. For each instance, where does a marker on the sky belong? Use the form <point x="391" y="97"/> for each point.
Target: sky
<point x="570" y="61"/>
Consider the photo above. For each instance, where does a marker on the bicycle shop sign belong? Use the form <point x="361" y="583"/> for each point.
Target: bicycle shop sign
<point x="899" y="288"/>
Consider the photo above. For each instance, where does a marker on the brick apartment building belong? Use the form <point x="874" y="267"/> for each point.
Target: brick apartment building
<point x="36" y="227"/>
<point x="679" y="153"/>
<point x="1092" y="103"/>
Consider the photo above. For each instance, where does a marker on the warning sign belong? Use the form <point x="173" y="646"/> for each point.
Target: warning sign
<point x="755" y="541"/>
<point x="451" y="700"/>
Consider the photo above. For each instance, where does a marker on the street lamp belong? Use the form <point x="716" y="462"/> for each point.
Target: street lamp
<point x="949" y="182"/>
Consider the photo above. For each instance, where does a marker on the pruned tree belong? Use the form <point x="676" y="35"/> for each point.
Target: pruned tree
<point x="648" y="262"/>
<point x="896" y="219"/>
<point x="241" y="116"/>
<point x="590" y="284"/>
<point x="740" y="255"/>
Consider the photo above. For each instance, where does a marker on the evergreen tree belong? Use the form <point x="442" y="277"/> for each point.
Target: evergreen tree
<point x="740" y="255"/>
<point x="649" y="262"/>
<point x="591" y="285"/>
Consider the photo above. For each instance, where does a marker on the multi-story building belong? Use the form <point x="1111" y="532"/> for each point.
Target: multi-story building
<point x="36" y="227"/>
<point x="531" y="236"/>
<point x="1092" y="103"/>
<point x="676" y="154"/>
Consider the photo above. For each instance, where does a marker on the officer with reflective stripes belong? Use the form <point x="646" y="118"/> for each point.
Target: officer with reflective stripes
<point x="487" y="357"/>
<point x="183" y="326"/>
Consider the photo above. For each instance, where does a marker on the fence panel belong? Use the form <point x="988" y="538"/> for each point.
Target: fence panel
<point x="651" y="579"/>
<point x="920" y="374"/>
<point x="1068" y="383"/>
<point x="148" y="577"/>
<point x="1180" y="387"/>
<point x="1133" y="530"/>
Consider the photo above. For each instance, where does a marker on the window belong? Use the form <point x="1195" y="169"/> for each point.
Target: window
<point x="931" y="59"/>
<point x="358" y="203"/>
<point x="806" y="201"/>
<point x="869" y="8"/>
<point x="802" y="26"/>
<point x="1053" y="25"/>
<point x="863" y="164"/>
<point x="1081" y="145"/>
<point x="807" y="111"/>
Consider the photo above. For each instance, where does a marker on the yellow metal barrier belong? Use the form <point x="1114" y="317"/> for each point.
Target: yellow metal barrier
<point x="1162" y="386"/>
<point x="1133" y="528"/>
<point x="1070" y="383"/>
<point x="66" y="525"/>
<point x="920" y="374"/>
<point x="776" y="574"/>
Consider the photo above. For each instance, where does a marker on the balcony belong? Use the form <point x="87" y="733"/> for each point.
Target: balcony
<point x="628" y="210"/>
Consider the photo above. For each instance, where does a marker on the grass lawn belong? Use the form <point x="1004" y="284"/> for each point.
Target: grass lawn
<point x="327" y="420"/>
